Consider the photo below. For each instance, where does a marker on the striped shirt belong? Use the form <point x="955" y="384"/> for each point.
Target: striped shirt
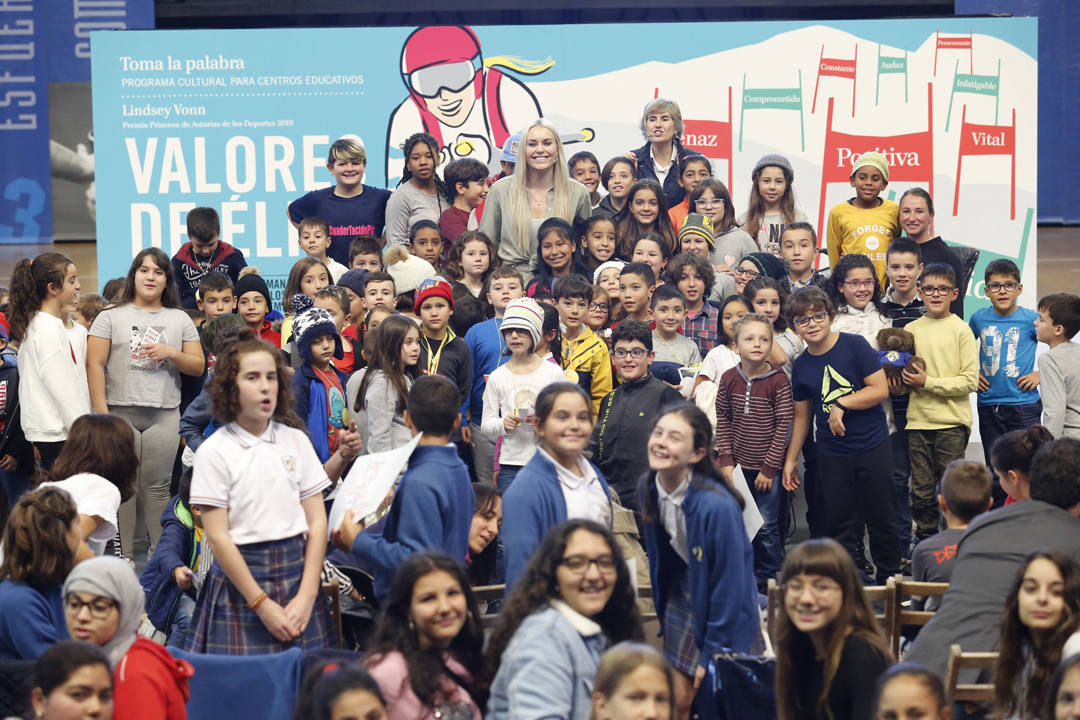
<point x="753" y="420"/>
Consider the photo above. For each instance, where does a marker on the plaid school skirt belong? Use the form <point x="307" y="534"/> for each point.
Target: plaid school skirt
<point x="678" y="624"/>
<point x="222" y="623"/>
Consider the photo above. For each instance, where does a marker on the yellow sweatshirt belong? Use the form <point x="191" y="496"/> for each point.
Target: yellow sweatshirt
<point x="952" y="368"/>
<point x="867" y="231"/>
<point x="588" y="364"/>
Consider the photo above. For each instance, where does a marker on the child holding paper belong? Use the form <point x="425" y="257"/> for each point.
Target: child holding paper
<point x="433" y="506"/>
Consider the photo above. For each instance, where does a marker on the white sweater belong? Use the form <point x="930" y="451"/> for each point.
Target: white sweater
<point x="52" y="385"/>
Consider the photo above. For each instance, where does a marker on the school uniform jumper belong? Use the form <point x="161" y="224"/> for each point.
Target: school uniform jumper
<point x="533" y="505"/>
<point x="719" y="574"/>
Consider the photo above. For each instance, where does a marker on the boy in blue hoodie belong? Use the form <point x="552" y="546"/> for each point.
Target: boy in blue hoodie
<point x="179" y="566"/>
<point x="432" y="507"/>
<point x="317" y="386"/>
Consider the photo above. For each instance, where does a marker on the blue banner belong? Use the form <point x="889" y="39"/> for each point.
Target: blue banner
<point x="24" y="123"/>
<point x="46" y="137"/>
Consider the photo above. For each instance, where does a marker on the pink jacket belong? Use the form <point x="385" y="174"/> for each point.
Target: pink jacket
<point x="392" y="676"/>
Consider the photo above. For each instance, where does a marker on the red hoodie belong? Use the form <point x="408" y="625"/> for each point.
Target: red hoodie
<point x="151" y="684"/>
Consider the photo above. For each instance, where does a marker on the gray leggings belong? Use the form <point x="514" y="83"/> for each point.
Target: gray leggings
<point x="156" y="439"/>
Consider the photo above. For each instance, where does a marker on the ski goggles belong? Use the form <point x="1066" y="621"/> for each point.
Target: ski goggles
<point x="455" y="77"/>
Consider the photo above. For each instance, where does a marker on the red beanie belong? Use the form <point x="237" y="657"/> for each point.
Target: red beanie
<point x="433" y="287"/>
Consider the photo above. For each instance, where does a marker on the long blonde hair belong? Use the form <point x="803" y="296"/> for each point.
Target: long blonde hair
<point x="519" y="196"/>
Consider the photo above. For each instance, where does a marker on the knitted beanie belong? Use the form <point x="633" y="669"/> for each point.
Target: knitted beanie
<point x="434" y="287"/>
<point x="312" y="322"/>
<point x="875" y="160"/>
<point x="525" y="314"/>
<point x="697" y="224"/>
<point x="767" y="264"/>
<point x="354" y="280"/>
<point x="407" y="270"/>
<point x="253" y="282"/>
<point x="775" y="160"/>
<point x="618" y="264"/>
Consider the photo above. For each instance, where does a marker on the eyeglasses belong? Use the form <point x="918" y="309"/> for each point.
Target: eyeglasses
<point x="804" y="320"/>
<point x="636" y="353"/>
<point x="99" y="608"/>
<point x="602" y="307"/>
<point x="942" y="290"/>
<point x="752" y="274"/>
<point x="579" y="564"/>
<point x="709" y="204"/>
<point x="856" y="284"/>
<point x="818" y="588"/>
<point x="998" y="287"/>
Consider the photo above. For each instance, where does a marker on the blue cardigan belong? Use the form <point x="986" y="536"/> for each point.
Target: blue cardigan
<point x="432" y="510"/>
<point x="31" y="620"/>
<point x="723" y="592"/>
<point x="531" y="507"/>
<point x="310" y="396"/>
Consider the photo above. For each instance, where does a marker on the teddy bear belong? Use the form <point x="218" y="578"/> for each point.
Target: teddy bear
<point x="897" y="352"/>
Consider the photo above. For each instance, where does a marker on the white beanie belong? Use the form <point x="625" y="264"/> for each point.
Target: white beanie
<point x="407" y="270"/>
<point x="618" y="264"/>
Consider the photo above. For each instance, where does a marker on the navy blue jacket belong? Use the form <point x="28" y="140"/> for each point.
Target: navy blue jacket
<point x="197" y="422"/>
<point x="723" y="592"/>
<point x="176" y="548"/>
<point x="531" y="507"/>
<point x="645" y="170"/>
<point x="310" y="395"/>
<point x="432" y="510"/>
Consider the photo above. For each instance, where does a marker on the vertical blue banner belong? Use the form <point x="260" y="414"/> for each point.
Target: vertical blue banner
<point x="24" y="123"/>
<point x="46" y="136"/>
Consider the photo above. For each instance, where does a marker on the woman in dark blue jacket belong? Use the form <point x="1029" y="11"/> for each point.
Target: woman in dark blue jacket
<point x="662" y="126"/>
<point x="701" y="562"/>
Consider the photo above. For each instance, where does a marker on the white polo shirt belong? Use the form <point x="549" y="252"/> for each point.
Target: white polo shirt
<point x="260" y="480"/>
<point x="672" y="517"/>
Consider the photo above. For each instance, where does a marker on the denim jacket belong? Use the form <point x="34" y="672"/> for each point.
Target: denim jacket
<point x="547" y="669"/>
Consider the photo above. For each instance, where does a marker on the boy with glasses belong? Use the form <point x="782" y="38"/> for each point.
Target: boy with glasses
<point x="1008" y="386"/>
<point x="620" y="436"/>
<point x="939" y="411"/>
<point x="840" y="379"/>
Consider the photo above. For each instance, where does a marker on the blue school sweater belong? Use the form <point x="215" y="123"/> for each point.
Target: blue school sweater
<point x="486" y="347"/>
<point x="723" y="592"/>
<point x="31" y="620"/>
<point x="432" y="510"/>
<point x="531" y="507"/>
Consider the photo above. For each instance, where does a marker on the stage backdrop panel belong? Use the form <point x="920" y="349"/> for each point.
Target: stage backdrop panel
<point x="241" y="120"/>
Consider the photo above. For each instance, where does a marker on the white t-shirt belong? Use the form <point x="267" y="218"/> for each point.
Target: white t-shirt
<point x="718" y="361"/>
<point x="506" y="393"/>
<point x="94" y="496"/>
<point x="260" y="480"/>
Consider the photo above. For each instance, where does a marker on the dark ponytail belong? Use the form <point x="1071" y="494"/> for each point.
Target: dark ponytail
<point x="1014" y="450"/>
<point x="30" y="286"/>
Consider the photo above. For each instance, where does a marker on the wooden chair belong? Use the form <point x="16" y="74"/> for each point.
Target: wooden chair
<point x="333" y="595"/>
<point x="906" y="589"/>
<point x="883" y="595"/>
<point x="960" y="661"/>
